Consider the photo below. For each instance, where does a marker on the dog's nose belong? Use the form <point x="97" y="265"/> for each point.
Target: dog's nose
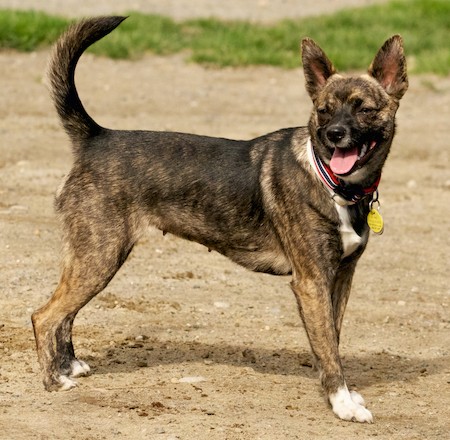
<point x="335" y="133"/>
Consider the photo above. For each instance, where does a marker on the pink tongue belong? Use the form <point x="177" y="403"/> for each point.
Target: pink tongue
<point x="343" y="160"/>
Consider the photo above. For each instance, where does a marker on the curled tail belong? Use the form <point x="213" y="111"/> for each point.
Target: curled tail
<point x="61" y="74"/>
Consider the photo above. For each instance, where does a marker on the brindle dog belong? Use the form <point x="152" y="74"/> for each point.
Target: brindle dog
<point x="263" y="203"/>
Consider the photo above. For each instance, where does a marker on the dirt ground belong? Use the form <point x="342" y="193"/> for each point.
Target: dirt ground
<point x="184" y="344"/>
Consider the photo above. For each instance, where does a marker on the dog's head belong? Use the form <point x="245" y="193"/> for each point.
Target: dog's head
<point x="353" y="121"/>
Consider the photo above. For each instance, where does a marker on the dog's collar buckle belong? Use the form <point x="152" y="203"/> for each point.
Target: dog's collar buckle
<point x="342" y="194"/>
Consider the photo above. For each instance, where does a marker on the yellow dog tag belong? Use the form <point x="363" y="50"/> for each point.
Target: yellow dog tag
<point x="375" y="221"/>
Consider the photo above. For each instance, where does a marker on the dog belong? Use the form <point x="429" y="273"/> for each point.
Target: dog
<point x="295" y="201"/>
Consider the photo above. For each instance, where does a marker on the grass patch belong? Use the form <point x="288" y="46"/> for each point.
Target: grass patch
<point x="350" y="37"/>
<point x="27" y="31"/>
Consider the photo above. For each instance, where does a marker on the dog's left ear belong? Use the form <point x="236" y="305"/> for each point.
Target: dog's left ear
<point x="316" y="66"/>
<point x="389" y="67"/>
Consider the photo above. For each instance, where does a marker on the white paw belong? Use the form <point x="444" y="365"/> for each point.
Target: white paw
<point x="350" y="406"/>
<point x="66" y="383"/>
<point x="79" y="368"/>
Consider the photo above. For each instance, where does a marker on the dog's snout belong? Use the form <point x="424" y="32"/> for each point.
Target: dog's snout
<point x="336" y="133"/>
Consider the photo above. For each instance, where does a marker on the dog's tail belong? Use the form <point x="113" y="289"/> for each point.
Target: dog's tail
<point x="61" y="73"/>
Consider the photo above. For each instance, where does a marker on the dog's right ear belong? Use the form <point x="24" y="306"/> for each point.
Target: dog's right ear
<point x="316" y="66"/>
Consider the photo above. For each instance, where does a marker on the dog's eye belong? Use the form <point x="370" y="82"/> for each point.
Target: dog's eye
<point x="367" y="110"/>
<point x="323" y="115"/>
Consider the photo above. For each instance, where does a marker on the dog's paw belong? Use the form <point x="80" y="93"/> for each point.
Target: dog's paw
<point x="65" y="383"/>
<point x="79" y="368"/>
<point x="63" y="380"/>
<point x="350" y="406"/>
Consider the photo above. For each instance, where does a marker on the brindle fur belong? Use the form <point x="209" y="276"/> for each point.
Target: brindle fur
<point x="257" y="202"/>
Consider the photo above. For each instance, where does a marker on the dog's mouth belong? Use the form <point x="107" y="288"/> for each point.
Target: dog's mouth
<point x="346" y="160"/>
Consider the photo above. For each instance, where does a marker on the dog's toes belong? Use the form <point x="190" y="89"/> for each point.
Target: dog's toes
<point x="357" y="398"/>
<point x="59" y="383"/>
<point x="362" y="415"/>
<point x="63" y="380"/>
<point x="353" y="413"/>
<point x="66" y="383"/>
<point x="79" y="368"/>
<point x="349" y="406"/>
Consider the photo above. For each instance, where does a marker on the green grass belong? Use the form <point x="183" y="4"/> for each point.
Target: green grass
<point x="350" y="37"/>
<point x="27" y="31"/>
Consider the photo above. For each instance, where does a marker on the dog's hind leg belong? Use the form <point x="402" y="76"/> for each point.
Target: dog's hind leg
<point x="79" y="283"/>
<point x="53" y="333"/>
<point x="94" y="253"/>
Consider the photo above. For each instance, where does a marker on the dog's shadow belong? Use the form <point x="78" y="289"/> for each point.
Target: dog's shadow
<point x="362" y="370"/>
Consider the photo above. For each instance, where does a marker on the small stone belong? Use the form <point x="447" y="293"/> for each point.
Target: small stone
<point x="175" y="305"/>
<point x="221" y="304"/>
<point x="192" y="379"/>
<point x="401" y="303"/>
<point x="423" y="372"/>
<point x="157" y="405"/>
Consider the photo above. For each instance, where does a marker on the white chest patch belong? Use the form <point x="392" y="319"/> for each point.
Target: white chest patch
<point x="350" y="239"/>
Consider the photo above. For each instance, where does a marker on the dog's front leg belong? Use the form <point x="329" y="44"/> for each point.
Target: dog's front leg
<point x="341" y="291"/>
<point x="315" y="304"/>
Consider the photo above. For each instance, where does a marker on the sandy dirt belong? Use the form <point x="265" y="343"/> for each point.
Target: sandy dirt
<point x="184" y="344"/>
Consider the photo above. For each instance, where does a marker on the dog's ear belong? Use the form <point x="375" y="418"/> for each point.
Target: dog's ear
<point x="316" y="66"/>
<point x="389" y="67"/>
